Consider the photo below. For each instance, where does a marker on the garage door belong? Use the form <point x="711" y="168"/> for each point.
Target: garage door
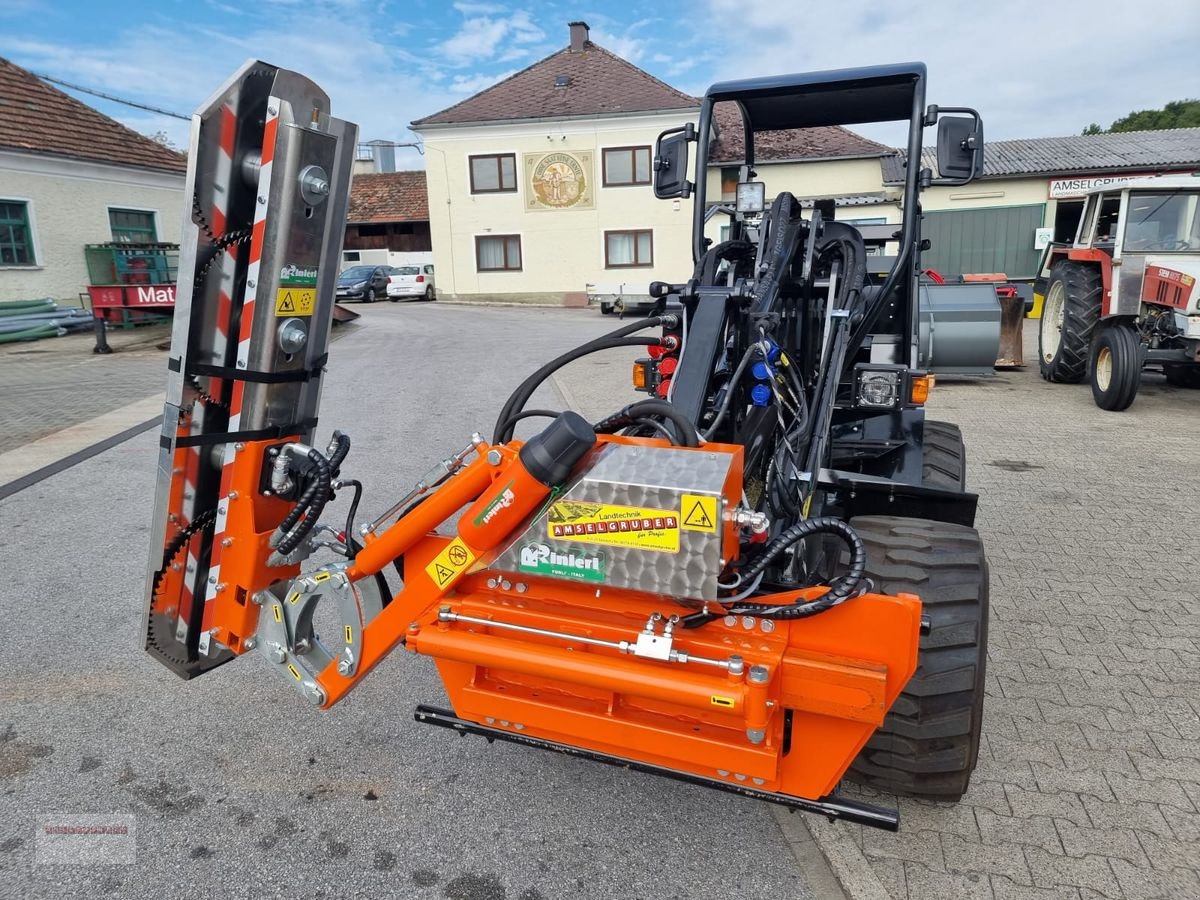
<point x="983" y="240"/>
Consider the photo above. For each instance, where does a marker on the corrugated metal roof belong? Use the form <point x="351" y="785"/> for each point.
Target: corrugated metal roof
<point x="1177" y="148"/>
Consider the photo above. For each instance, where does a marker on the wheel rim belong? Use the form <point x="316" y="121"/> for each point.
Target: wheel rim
<point x="1053" y="315"/>
<point x="1104" y="367"/>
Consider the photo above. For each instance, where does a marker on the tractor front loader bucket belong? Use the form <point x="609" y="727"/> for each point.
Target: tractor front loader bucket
<point x="269" y="174"/>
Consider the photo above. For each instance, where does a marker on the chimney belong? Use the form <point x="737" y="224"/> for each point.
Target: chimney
<point x="579" y="34"/>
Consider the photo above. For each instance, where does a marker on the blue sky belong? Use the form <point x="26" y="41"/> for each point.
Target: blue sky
<point x="1032" y="68"/>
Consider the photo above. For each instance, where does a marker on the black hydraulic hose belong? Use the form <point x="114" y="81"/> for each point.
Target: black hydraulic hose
<point x="351" y="539"/>
<point x="522" y="394"/>
<point x="300" y="528"/>
<point x="529" y="414"/>
<point x="685" y="429"/>
<point x="840" y="590"/>
<point x="339" y="452"/>
<point x="302" y="503"/>
<point x="510" y="406"/>
<point x="731" y="390"/>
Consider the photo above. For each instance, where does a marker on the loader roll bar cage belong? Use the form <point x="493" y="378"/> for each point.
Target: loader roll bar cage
<point x="857" y="96"/>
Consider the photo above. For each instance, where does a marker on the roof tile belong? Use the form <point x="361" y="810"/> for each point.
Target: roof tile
<point x="826" y="142"/>
<point x="37" y="118"/>
<point x="598" y="83"/>
<point x="389" y="197"/>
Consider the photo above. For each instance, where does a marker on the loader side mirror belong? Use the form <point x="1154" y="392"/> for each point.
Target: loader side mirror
<point x="671" y="163"/>
<point x="959" y="148"/>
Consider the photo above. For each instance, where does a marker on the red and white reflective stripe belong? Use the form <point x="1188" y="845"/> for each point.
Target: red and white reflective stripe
<point x="270" y="133"/>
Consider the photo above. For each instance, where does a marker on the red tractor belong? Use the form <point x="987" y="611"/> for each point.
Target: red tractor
<point x="1124" y="295"/>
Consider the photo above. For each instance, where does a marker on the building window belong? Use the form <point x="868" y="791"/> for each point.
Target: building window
<point x="626" y="165"/>
<point x="493" y="174"/>
<point x="498" y="253"/>
<point x="16" y="237"/>
<point x="132" y="226"/>
<point x="625" y="249"/>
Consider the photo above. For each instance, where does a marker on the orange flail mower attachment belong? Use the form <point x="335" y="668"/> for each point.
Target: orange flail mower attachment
<point x="779" y="707"/>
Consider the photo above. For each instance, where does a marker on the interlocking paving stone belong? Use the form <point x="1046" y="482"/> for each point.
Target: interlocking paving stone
<point x="1090" y="767"/>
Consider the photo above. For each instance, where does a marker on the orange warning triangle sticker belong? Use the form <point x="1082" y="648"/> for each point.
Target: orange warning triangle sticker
<point x="443" y="574"/>
<point x="698" y="517"/>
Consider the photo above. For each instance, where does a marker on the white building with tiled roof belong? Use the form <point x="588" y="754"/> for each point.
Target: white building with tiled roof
<point x="70" y="176"/>
<point x="539" y="186"/>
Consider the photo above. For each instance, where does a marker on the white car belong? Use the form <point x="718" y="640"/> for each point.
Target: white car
<point x="411" y="282"/>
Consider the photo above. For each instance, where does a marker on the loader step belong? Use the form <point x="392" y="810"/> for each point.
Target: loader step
<point x="832" y="806"/>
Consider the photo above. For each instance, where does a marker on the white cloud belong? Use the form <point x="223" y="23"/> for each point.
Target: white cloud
<point x="179" y="71"/>
<point x="473" y="84"/>
<point x="481" y="38"/>
<point x="1029" y="76"/>
<point x="479" y="9"/>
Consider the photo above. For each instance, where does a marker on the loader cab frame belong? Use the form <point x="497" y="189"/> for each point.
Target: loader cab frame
<point x="886" y="330"/>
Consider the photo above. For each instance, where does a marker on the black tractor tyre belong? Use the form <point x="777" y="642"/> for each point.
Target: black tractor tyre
<point x="1081" y="290"/>
<point x="929" y="742"/>
<point x="1116" y="367"/>
<point x="943" y="457"/>
<point x="1184" y="375"/>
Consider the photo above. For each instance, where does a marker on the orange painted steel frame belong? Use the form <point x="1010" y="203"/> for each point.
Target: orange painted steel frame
<point x="837" y="673"/>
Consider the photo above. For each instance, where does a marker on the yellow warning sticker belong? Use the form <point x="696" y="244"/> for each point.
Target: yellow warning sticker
<point x="295" y="672"/>
<point x="295" y="301"/>
<point x="278" y="610"/>
<point x="697" y="513"/>
<point x="321" y="576"/>
<point x="615" y="526"/>
<point x="349" y="635"/>
<point x="295" y="595"/>
<point x="455" y="559"/>
<point x="723" y="702"/>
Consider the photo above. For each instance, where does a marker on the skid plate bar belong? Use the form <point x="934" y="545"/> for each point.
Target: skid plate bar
<point x="832" y="806"/>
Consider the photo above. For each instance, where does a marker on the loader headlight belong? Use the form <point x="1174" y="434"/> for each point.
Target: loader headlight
<point x="878" y="389"/>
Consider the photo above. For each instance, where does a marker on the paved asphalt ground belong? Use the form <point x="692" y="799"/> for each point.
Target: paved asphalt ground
<point x="1088" y="782"/>
<point x="238" y="787"/>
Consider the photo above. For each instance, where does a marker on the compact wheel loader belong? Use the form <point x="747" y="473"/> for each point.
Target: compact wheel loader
<point x="762" y="577"/>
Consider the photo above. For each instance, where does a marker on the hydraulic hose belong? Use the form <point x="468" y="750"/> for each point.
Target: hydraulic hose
<point x="294" y="529"/>
<point x="529" y="414"/>
<point x="342" y="447"/>
<point x="521" y="395"/>
<point x="840" y="590"/>
<point x="685" y="430"/>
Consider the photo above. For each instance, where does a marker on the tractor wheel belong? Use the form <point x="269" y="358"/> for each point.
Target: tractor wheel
<point x="929" y="742"/>
<point x="1184" y="376"/>
<point x="1116" y="367"/>
<point x="943" y="457"/>
<point x="1069" y="318"/>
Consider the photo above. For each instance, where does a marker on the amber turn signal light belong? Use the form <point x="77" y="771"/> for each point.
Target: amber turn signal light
<point x="921" y="386"/>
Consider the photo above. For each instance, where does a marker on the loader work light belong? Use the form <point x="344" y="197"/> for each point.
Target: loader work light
<point x="751" y="197"/>
<point x="879" y="389"/>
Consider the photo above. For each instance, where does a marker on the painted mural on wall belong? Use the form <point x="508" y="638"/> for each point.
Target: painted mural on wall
<point x="559" y="180"/>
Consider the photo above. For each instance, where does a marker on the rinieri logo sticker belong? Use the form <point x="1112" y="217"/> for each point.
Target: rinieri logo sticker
<point x="581" y="565"/>
<point x="619" y="526"/>
<point x="503" y="500"/>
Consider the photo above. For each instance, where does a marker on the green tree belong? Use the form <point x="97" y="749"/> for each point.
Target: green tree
<point x="1176" y="114"/>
